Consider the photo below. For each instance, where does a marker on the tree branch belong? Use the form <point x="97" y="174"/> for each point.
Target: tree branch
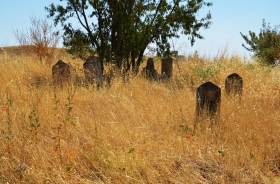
<point x="159" y="31"/>
<point x="78" y="16"/>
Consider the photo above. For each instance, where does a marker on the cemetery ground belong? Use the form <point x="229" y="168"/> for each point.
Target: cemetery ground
<point x="137" y="130"/>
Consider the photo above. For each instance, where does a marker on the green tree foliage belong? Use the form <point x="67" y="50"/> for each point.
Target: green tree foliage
<point x="266" y="45"/>
<point x="121" y="30"/>
<point x="78" y="44"/>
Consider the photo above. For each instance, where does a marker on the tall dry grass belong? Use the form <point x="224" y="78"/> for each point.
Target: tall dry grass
<point x="139" y="131"/>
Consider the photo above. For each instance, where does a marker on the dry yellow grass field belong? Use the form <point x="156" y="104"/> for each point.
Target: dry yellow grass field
<point x="139" y="131"/>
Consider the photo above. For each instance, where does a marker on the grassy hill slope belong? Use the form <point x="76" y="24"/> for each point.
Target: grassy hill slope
<point x="139" y="131"/>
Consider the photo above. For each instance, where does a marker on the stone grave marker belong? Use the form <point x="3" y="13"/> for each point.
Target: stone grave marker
<point x="93" y="71"/>
<point x="234" y="85"/>
<point x="167" y="67"/>
<point x="208" y="101"/>
<point x="149" y="71"/>
<point x="61" y="73"/>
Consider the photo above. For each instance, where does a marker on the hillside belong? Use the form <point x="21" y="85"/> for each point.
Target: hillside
<point x="137" y="131"/>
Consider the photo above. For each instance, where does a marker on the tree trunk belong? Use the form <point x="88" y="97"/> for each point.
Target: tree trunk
<point x="133" y="62"/>
<point x="127" y="66"/>
<point x="113" y="31"/>
<point x="140" y="56"/>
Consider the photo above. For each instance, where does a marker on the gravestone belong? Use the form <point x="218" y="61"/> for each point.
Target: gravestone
<point x="149" y="71"/>
<point x="61" y="73"/>
<point x="208" y="101"/>
<point x="234" y="85"/>
<point x="166" y="67"/>
<point x="93" y="71"/>
<point x="150" y="65"/>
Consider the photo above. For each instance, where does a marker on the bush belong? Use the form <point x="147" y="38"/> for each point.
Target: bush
<point x="206" y="72"/>
<point x="266" y="45"/>
<point x="41" y="37"/>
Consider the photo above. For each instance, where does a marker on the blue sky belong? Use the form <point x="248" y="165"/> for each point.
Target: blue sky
<point x="229" y="17"/>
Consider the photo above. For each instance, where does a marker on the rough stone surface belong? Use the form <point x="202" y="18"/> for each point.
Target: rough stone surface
<point x="234" y="85"/>
<point x="208" y="101"/>
<point x="167" y="67"/>
<point x="61" y="73"/>
<point x="93" y="71"/>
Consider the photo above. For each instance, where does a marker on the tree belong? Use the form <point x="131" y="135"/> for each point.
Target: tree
<point x="121" y="30"/>
<point x="78" y="44"/>
<point x="266" y="45"/>
<point x="40" y="36"/>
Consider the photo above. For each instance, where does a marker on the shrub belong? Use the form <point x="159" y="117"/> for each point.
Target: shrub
<point x="266" y="45"/>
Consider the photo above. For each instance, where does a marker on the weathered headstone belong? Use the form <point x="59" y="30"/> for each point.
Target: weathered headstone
<point x="150" y="65"/>
<point x="234" y="85"/>
<point x="150" y="72"/>
<point x="166" y="67"/>
<point x="93" y="71"/>
<point x="208" y="101"/>
<point x="62" y="73"/>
